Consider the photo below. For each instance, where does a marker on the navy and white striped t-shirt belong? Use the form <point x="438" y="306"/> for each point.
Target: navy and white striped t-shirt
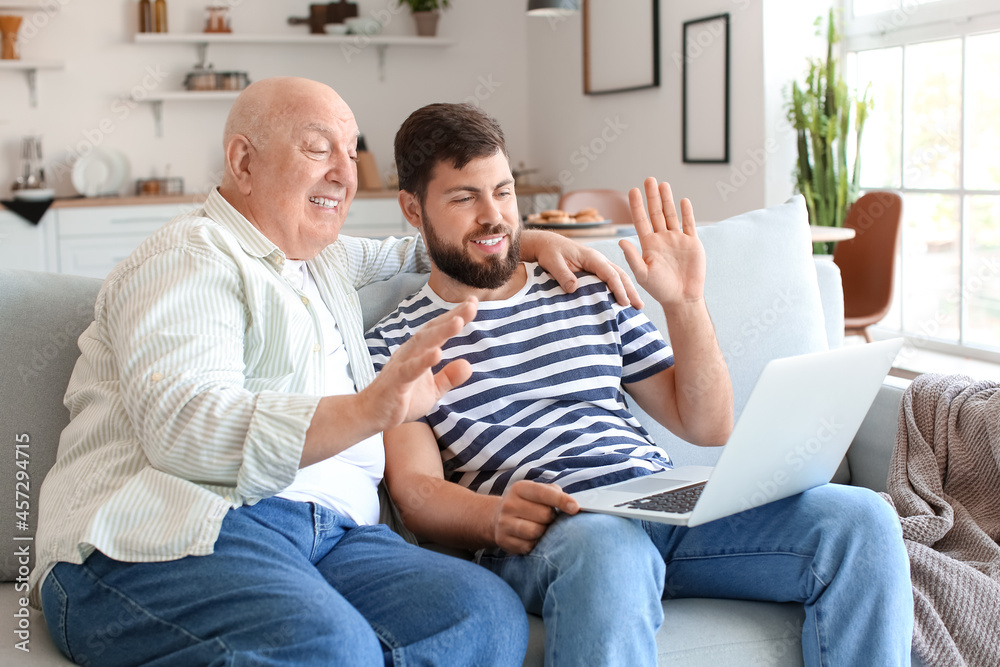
<point x="545" y="401"/>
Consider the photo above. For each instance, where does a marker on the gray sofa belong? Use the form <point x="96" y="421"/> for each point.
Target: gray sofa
<point x="768" y="297"/>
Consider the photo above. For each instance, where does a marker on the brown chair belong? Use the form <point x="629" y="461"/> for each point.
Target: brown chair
<point x="612" y="204"/>
<point x="867" y="262"/>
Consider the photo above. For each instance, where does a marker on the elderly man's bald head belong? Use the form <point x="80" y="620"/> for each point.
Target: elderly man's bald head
<point x="290" y="162"/>
<point x="270" y="105"/>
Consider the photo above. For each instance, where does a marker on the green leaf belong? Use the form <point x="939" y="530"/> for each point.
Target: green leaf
<point x="825" y="114"/>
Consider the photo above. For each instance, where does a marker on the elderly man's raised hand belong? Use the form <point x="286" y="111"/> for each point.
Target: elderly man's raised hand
<point x="407" y="388"/>
<point x="671" y="266"/>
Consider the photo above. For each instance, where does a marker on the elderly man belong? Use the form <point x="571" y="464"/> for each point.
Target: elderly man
<point x="215" y="496"/>
<point x="544" y="414"/>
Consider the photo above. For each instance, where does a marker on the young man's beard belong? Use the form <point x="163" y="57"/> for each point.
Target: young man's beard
<point x="455" y="262"/>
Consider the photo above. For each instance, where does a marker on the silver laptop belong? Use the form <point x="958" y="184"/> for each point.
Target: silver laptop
<point x="793" y="433"/>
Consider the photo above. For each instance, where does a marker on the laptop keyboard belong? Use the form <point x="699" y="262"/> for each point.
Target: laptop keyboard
<point x="678" y="501"/>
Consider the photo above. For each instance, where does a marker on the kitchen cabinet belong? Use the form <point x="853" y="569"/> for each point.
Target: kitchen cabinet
<point x="91" y="240"/>
<point x="376" y="216"/>
<point x="22" y="244"/>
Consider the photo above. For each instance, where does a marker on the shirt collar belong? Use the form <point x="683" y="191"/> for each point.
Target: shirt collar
<point x="253" y="242"/>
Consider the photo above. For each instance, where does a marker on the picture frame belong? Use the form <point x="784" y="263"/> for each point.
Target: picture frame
<point x="617" y="55"/>
<point x="705" y="90"/>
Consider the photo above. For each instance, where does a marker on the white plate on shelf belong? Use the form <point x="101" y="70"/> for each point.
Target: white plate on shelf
<point x="99" y="172"/>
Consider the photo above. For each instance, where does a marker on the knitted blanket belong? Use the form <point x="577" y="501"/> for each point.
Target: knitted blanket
<point x="945" y="484"/>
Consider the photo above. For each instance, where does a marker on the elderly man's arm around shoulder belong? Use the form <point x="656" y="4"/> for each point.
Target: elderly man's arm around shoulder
<point x="694" y="397"/>
<point x="561" y="257"/>
<point x="452" y="515"/>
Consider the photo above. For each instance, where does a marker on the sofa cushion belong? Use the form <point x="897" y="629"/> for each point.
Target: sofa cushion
<point x="41" y="317"/>
<point x="381" y="298"/>
<point x="700" y="632"/>
<point x="763" y="296"/>
<point x="27" y="642"/>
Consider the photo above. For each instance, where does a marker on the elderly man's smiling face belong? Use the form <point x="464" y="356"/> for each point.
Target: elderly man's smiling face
<point x="297" y="173"/>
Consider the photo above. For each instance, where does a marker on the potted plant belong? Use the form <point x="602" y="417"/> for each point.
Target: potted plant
<point x="426" y="13"/>
<point x="825" y="114"/>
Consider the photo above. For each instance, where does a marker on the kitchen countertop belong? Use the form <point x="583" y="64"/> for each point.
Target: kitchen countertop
<point x="76" y="202"/>
<point x="80" y="202"/>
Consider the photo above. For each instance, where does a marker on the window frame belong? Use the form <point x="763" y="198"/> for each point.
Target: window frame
<point x="912" y="24"/>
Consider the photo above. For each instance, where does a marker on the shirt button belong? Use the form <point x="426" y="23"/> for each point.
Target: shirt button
<point x="156" y="377"/>
<point x="305" y="300"/>
<point x="316" y="347"/>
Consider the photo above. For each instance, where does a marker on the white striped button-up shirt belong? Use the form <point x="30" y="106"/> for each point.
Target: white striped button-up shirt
<point x="195" y="386"/>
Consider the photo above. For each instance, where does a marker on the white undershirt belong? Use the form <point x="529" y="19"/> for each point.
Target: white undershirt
<point x="347" y="482"/>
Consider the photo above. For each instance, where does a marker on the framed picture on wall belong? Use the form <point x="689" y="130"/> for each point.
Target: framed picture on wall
<point x="621" y="45"/>
<point x="705" y="90"/>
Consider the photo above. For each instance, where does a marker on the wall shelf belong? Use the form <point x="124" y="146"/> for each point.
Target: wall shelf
<point x="157" y="99"/>
<point x="350" y="45"/>
<point x="30" y="69"/>
<point x="241" y="38"/>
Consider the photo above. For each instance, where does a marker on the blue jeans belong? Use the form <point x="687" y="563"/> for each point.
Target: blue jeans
<point x="598" y="580"/>
<point x="288" y="584"/>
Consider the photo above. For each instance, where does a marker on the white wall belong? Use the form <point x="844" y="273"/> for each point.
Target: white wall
<point x="567" y="126"/>
<point x="789" y="39"/>
<point x="95" y="38"/>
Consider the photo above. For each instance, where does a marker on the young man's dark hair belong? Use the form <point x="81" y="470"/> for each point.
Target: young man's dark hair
<point x="458" y="133"/>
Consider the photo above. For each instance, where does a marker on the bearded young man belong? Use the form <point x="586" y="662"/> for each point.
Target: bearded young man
<point x="544" y="413"/>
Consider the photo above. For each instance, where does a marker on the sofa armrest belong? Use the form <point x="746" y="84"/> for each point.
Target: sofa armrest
<point x="871" y="451"/>
<point x="831" y="296"/>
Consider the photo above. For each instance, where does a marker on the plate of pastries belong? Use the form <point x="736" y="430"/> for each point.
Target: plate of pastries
<point x="555" y="218"/>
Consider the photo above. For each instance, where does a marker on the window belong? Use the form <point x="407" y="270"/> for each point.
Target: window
<point x="934" y="136"/>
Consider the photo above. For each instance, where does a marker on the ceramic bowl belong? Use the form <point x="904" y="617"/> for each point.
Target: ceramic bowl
<point x="363" y="25"/>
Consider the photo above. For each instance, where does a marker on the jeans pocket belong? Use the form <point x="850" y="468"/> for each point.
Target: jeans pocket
<point x="54" y="606"/>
